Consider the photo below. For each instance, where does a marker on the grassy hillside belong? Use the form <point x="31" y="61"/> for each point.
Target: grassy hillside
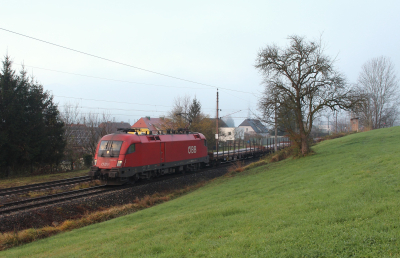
<point x="342" y="201"/>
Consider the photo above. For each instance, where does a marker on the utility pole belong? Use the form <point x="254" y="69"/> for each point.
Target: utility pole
<point x="336" y="122"/>
<point x="217" y="134"/>
<point x="328" y="126"/>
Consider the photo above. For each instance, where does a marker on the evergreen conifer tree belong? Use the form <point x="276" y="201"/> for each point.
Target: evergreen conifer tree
<point x="31" y="131"/>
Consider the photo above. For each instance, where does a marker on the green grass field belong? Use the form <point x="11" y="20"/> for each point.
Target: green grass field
<point x="343" y="201"/>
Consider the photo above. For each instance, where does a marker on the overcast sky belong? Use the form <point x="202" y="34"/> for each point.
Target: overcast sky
<point x="212" y="43"/>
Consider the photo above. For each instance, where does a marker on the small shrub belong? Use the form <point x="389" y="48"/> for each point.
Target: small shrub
<point x="87" y="160"/>
<point x="284" y="154"/>
<point x="236" y="167"/>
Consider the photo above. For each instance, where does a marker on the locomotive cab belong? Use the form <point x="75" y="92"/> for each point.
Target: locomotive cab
<point x="110" y="156"/>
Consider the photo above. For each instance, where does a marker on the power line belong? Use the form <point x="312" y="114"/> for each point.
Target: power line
<point x="120" y="63"/>
<point x="123" y="109"/>
<point x="62" y="112"/>
<point x="238" y="97"/>
<point x="129" y="110"/>
<point x="120" y="102"/>
<point x="111" y="101"/>
<point x="101" y="78"/>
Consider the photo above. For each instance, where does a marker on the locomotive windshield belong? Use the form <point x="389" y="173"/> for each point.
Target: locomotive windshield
<point x="109" y="148"/>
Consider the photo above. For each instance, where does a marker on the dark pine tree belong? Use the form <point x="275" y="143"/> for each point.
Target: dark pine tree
<point x="30" y="126"/>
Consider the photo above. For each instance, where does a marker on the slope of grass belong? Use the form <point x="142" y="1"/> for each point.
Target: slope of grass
<point x="343" y="201"/>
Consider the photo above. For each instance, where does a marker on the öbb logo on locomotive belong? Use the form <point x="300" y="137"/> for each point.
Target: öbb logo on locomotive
<point x="191" y="149"/>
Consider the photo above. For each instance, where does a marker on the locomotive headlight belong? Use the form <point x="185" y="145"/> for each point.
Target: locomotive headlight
<point x="119" y="163"/>
<point x="95" y="162"/>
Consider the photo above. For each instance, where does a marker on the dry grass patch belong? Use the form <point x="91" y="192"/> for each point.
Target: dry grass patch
<point x="52" y="191"/>
<point x="283" y="154"/>
<point x="36" y="194"/>
<point x="335" y="135"/>
<point x="239" y="167"/>
<point x="87" y="184"/>
<point x="235" y="168"/>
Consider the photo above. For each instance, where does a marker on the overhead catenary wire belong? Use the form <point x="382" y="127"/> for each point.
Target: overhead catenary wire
<point x="108" y="79"/>
<point x="112" y="101"/>
<point x="120" y="63"/>
<point x="119" y="109"/>
<point x="99" y="57"/>
<point x="119" y="102"/>
<point x="130" y="115"/>
<point x="101" y="78"/>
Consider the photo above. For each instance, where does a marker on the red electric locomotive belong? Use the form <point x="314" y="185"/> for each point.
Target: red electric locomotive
<point x="128" y="156"/>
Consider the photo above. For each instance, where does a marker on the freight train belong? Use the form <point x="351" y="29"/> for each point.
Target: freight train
<point x="128" y="156"/>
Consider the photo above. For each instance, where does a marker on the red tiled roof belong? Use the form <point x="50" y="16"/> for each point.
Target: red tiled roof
<point x="139" y="124"/>
<point x="153" y="124"/>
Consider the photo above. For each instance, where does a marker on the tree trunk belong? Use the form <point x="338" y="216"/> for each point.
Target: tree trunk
<point x="303" y="136"/>
<point x="302" y="132"/>
<point x="304" y="144"/>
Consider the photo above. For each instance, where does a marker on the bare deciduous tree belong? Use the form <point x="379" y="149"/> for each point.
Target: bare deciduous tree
<point x="94" y="132"/>
<point x="181" y="106"/>
<point x="106" y="127"/>
<point x="200" y="122"/>
<point x="300" y="81"/>
<point x="378" y="82"/>
<point x="72" y="119"/>
<point x="82" y="132"/>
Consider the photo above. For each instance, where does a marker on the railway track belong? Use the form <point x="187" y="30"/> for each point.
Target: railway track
<point x="51" y="199"/>
<point x="76" y="194"/>
<point x="42" y="186"/>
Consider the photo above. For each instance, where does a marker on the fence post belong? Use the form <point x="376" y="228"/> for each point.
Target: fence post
<point x="234" y="147"/>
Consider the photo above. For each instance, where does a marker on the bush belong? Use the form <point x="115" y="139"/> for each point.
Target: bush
<point x="88" y="159"/>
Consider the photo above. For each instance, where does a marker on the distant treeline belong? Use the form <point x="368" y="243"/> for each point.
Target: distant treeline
<point x="31" y="131"/>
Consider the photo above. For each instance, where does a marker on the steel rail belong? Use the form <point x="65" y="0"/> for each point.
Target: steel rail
<point x="50" y="199"/>
<point x="45" y="185"/>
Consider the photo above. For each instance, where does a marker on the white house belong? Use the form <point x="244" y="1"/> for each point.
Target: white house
<point x="227" y="134"/>
<point x="252" y="127"/>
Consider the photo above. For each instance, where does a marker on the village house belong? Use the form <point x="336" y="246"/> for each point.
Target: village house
<point x="252" y="127"/>
<point x="146" y="125"/>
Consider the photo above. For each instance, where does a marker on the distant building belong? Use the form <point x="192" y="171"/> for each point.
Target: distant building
<point x="221" y="122"/>
<point x="325" y="127"/>
<point x="111" y="127"/>
<point x="147" y="125"/>
<point x="78" y="132"/>
<point x="354" y="124"/>
<point x="227" y="134"/>
<point x="253" y="127"/>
